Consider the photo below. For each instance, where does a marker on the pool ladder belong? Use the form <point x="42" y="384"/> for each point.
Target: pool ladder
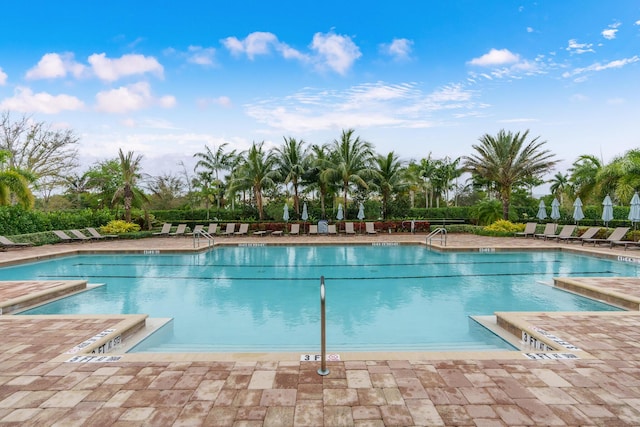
<point x="440" y="231"/>
<point x="204" y="234"/>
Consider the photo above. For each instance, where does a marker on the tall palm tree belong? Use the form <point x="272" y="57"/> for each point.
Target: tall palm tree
<point x="15" y="183"/>
<point x="507" y="159"/>
<point x="130" y="174"/>
<point x="256" y="172"/>
<point x="427" y="171"/>
<point x="389" y="179"/>
<point x="444" y="172"/>
<point x="212" y="162"/>
<point x="559" y="185"/>
<point x="292" y="161"/>
<point x="315" y="178"/>
<point x="350" y="162"/>
<point x="583" y="178"/>
<point x="621" y="177"/>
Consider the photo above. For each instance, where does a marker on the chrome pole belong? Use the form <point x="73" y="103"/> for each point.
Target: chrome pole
<point x="323" y="337"/>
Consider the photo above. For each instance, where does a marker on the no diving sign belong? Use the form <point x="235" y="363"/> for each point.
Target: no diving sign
<point x="318" y="358"/>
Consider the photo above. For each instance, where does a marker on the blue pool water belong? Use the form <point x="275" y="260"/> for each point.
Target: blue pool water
<point x="267" y="298"/>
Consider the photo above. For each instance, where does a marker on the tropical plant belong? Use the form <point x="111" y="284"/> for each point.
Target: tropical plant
<point x="583" y="177"/>
<point x="389" y="179"/>
<point x="559" y="186"/>
<point x="316" y="178"/>
<point x="14" y="183"/>
<point x="210" y="164"/>
<point x="621" y="177"/>
<point x="129" y="176"/>
<point x="291" y="159"/>
<point x="507" y="159"/>
<point x="350" y="163"/>
<point x="119" y="226"/>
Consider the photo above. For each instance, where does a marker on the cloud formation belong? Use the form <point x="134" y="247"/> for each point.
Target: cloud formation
<point x="25" y="101"/>
<point x="399" y="49"/>
<point x="335" y="51"/>
<point x="610" y="33"/>
<point x="579" y="48"/>
<point x="110" y="70"/>
<point x="129" y="98"/>
<point x="3" y="77"/>
<point x="261" y="43"/>
<point x="618" y="63"/>
<point x="495" y="57"/>
<point x="55" y="66"/>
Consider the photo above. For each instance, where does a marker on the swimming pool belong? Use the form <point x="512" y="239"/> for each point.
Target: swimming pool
<point x="267" y="298"/>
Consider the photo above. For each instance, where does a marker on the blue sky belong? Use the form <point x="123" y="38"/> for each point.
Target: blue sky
<point x="165" y="78"/>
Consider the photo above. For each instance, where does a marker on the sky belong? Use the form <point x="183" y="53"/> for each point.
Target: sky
<point x="165" y="78"/>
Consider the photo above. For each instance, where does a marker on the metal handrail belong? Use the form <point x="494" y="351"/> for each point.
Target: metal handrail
<point x="206" y="235"/>
<point x="323" y="336"/>
<point x="443" y="236"/>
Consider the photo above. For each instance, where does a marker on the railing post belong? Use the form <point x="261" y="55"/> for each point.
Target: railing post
<point x="323" y="338"/>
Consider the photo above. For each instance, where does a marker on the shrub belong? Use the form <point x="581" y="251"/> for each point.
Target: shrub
<point x="119" y="226"/>
<point x="505" y="226"/>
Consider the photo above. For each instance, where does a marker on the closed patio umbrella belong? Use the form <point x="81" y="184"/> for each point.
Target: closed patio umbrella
<point x="361" y="212"/>
<point x="340" y="215"/>
<point x="577" y="210"/>
<point x="555" y="210"/>
<point x="285" y="214"/>
<point x="607" y="210"/>
<point x="634" y="212"/>
<point x="542" y="210"/>
<point x="305" y="215"/>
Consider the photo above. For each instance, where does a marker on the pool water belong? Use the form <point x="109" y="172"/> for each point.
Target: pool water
<point x="267" y="298"/>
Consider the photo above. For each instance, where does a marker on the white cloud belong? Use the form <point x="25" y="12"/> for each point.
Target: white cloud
<point x="610" y="33"/>
<point x="399" y="49"/>
<point x="495" y="57"/>
<point x="579" y="48"/>
<point x="335" y="51"/>
<point x="24" y="100"/>
<point x="54" y="66"/>
<point x="637" y="22"/>
<point x="200" y="55"/>
<point x="110" y="70"/>
<point x="3" y="77"/>
<point x="133" y="97"/>
<point x="619" y="63"/>
<point x="223" y="101"/>
<point x="530" y="30"/>
<point x="261" y="43"/>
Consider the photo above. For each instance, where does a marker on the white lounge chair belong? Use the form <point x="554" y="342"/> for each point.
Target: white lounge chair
<point x="213" y="228"/>
<point x="180" y="231"/>
<point x="591" y="231"/>
<point x="331" y="229"/>
<point x="295" y="229"/>
<point x="348" y="228"/>
<point x="567" y="231"/>
<point x="369" y="228"/>
<point x="243" y="230"/>
<point x="313" y="229"/>
<point x="166" y="229"/>
<point x="230" y="230"/>
<point x="549" y="229"/>
<point x="529" y="230"/>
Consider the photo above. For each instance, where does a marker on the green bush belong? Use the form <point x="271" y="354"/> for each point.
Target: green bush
<point x="119" y="226"/>
<point x="504" y="226"/>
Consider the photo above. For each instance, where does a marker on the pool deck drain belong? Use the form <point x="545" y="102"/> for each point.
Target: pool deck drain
<point x="601" y="388"/>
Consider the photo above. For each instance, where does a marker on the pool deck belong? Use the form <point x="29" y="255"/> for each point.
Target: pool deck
<point x="578" y="369"/>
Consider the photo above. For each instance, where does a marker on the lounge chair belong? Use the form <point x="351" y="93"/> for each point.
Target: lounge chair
<point x="331" y="229"/>
<point x="196" y="229"/>
<point x="549" y="229"/>
<point x="529" y="230"/>
<point x="230" y="230"/>
<point x="369" y="228"/>
<point x="166" y="229"/>
<point x="66" y="238"/>
<point x="591" y="231"/>
<point x="348" y="228"/>
<point x="213" y="228"/>
<point x="260" y="233"/>
<point x="567" y="231"/>
<point x="79" y="235"/>
<point x="11" y="244"/>
<point x="243" y="230"/>
<point x="615" y="236"/>
<point x="295" y="230"/>
<point x="96" y="235"/>
<point x="313" y="229"/>
<point x="180" y="231"/>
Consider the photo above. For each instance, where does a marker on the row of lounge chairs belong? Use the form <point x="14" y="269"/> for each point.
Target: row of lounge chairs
<point x="566" y="235"/>
<point x="230" y="230"/>
<point x="73" y="236"/>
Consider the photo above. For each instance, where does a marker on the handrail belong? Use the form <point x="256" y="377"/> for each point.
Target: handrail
<point x="443" y="236"/>
<point x="206" y="235"/>
<point x="323" y="336"/>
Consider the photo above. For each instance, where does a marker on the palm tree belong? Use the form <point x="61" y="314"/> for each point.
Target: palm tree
<point x="559" y="185"/>
<point x="427" y="171"/>
<point x="130" y="174"/>
<point x="316" y="178"/>
<point x="213" y="162"/>
<point x="507" y="159"/>
<point x="14" y="182"/>
<point x="350" y="163"/>
<point x="584" y="172"/>
<point x="256" y="172"/>
<point x="389" y="178"/>
<point x="621" y="177"/>
<point x="444" y="171"/>
<point x="292" y="162"/>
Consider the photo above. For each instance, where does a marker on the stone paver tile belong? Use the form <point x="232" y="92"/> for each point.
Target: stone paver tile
<point x="476" y="395"/>
<point x="118" y="399"/>
<point x="193" y="413"/>
<point x="338" y="416"/>
<point x="552" y="396"/>
<point x="286" y="380"/>
<point x="454" y="415"/>
<point x="396" y="415"/>
<point x="539" y="412"/>
<point x="262" y="379"/>
<point x="393" y="396"/>
<point x="310" y="392"/>
<point x="104" y="416"/>
<point x="340" y="397"/>
<point x="551" y="378"/>
<point x="483" y="422"/>
<point x="65" y="399"/>
<point x="358" y="379"/>
<point x="221" y="417"/>
<point x="411" y="388"/>
<point x="163" y="416"/>
<point x="158" y="398"/>
<point x="480" y="379"/>
<point x="571" y="415"/>
<point x="226" y="397"/>
<point x="207" y="390"/>
<point x="454" y="378"/>
<point x="424" y="412"/>
<point x="248" y="398"/>
<point x="279" y="416"/>
<point x="136" y="414"/>
<point x="165" y="380"/>
<point x="188" y="382"/>
<point x="368" y="423"/>
<point x="371" y="397"/>
<point x="278" y="397"/>
<point x="383" y="380"/>
<point x="20" y="415"/>
<point x="251" y="413"/>
<point x="512" y="415"/>
<point x="366" y="413"/>
<point x="238" y="381"/>
<point x="480" y="411"/>
<point x="513" y="388"/>
<point x="308" y="413"/>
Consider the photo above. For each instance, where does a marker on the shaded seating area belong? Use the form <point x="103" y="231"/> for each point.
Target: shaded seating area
<point x="588" y="234"/>
<point x="549" y="230"/>
<point x="616" y="236"/>
<point x="8" y="243"/>
<point x="529" y="230"/>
